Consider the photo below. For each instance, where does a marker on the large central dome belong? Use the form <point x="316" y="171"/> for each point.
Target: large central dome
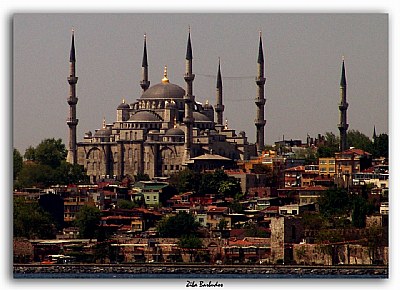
<point x="164" y="90"/>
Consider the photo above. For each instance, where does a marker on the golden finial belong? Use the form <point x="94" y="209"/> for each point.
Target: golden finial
<point x="123" y="100"/>
<point x="342" y="57"/>
<point x="145" y="36"/>
<point x="226" y="124"/>
<point x="189" y="29"/>
<point x="72" y="30"/>
<point x="206" y="102"/>
<point x="165" y="79"/>
<point x="260" y="32"/>
<point x="104" y="122"/>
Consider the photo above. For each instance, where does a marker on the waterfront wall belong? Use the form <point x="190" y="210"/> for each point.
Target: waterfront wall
<point x="312" y="254"/>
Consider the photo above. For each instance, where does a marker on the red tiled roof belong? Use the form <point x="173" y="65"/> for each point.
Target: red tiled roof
<point x="217" y="209"/>
<point x="356" y="151"/>
<point x="296" y="168"/>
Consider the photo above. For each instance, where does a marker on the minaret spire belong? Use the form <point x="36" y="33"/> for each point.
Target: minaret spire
<point x="260" y="100"/>
<point x="219" y="108"/>
<point x="189" y="100"/>
<point x="343" y="126"/>
<point x="72" y="100"/>
<point x="145" y="83"/>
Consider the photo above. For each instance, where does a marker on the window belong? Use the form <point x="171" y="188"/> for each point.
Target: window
<point x="294" y="211"/>
<point x="322" y="162"/>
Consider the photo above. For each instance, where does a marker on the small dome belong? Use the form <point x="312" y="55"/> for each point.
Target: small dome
<point x="199" y="117"/>
<point x="174" y="132"/>
<point x="145" y="116"/>
<point x="164" y="90"/>
<point x="123" y="106"/>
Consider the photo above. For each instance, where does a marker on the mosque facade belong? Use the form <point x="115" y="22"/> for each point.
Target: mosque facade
<point x="165" y="130"/>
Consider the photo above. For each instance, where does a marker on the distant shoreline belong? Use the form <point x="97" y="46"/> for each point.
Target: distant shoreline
<point x="371" y="270"/>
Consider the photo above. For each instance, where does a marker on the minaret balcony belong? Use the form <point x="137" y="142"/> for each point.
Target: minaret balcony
<point x="219" y="108"/>
<point x="343" y="127"/>
<point x="72" y="101"/>
<point x="72" y="121"/>
<point x="260" y="81"/>
<point x="188" y="98"/>
<point x="260" y="123"/>
<point x="72" y="80"/>
<point x="189" y="77"/>
<point x="145" y="84"/>
<point x="260" y="102"/>
<point x="343" y="107"/>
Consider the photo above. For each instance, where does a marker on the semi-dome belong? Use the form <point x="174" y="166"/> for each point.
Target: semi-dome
<point x="104" y="132"/>
<point x="145" y="116"/>
<point x="174" y="132"/>
<point x="199" y="117"/>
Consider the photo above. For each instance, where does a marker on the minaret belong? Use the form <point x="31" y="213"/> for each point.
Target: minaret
<point x="189" y="100"/>
<point x="374" y="136"/>
<point x="145" y="83"/>
<point x="260" y="101"/>
<point x="343" y="111"/>
<point x="219" y="107"/>
<point x="72" y="100"/>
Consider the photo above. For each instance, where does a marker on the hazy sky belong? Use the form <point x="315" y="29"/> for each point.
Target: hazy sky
<point x="302" y="53"/>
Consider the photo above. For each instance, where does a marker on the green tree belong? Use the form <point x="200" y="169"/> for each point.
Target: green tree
<point x="47" y="166"/>
<point x="218" y="182"/>
<point x="359" y="140"/>
<point x="30" y="154"/>
<point x="31" y="221"/>
<point x="67" y="173"/>
<point x="253" y="230"/>
<point x="381" y="146"/>
<point x="126" y="204"/>
<point x="141" y="177"/>
<point x="334" y="202"/>
<point x="236" y="206"/>
<point x="17" y="163"/>
<point x="191" y="244"/>
<point x="359" y="212"/>
<point x="185" y="180"/>
<point x="314" y="221"/>
<point x="50" y="152"/>
<point x="223" y="224"/>
<point x="88" y="220"/>
<point x="230" y="188"/>
<point x="33" y="174"/>
<point x="177" y="226"/>
<point x="330" y="147"/>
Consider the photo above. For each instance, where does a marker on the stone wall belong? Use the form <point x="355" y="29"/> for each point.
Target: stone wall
<point x="313" y="254"/>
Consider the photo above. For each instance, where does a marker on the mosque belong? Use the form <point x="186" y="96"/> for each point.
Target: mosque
<point x="165" y="130"/>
